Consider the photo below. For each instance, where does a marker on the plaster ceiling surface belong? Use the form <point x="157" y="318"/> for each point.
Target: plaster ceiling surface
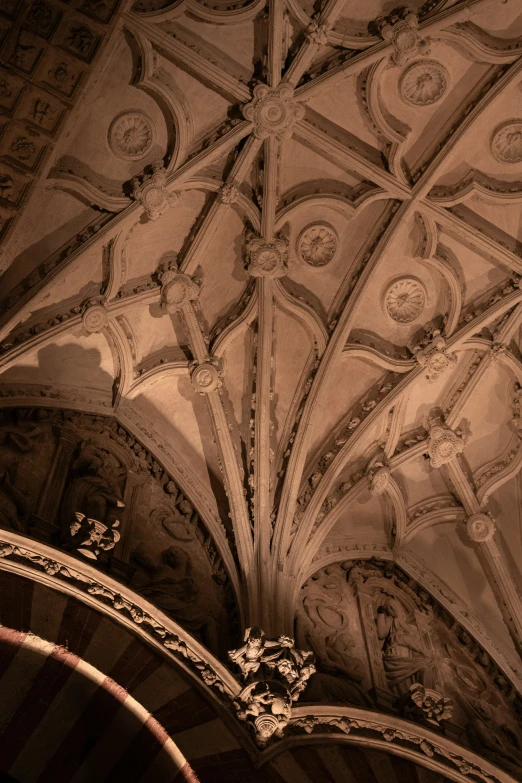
<point x="291" y="245"/>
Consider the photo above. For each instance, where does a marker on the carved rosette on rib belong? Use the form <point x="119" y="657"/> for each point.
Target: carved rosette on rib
<point x="434" y="356"/>
<point x="94" y="318"/>
<point x="444" y="445"/>
<point x="480" y="527"/>
<point x="401" y="29"/>
<point x="177" y="289"/>
<point x="267" y="258"/>
<point x="273" y="111"/>
<point x="151" y="192"/>
<point x="205" y="378"/>
<point x="274" y="675"/>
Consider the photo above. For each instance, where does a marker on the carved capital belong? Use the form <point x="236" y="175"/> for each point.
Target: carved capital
<point x="151" y="192"/>
<point x="444" y="445"/>
<point x="480" y="528"/>
<point x="273" y="111"/>
<point x="267" y="259"/>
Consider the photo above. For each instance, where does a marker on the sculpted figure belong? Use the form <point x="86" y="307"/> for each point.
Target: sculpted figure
<point x="404" y="656"/>
<point x="173" y="590"/>
<point x="90" y="493"/>
<point x="486" y="739"/>
<point x="257" y="650"/>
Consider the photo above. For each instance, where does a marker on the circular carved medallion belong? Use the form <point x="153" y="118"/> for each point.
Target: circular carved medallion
<point x="95" y="318"/>
<point x="317" y="244"/>
<point x="405" y="299"/>
<point x="205" y="378"/>
<point x="131" y="135"/>
<point x="480" y="527"/>
<point x="506" y="142"/>
<point x="424" y="83"/>
<point x="380" y="481"/>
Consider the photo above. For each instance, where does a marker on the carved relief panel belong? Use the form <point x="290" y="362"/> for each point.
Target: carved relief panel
<point x="84" y="484"/>
<point x="382" y="641"/>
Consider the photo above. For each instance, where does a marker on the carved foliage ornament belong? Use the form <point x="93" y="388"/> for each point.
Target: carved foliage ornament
<point x="506" y="142"/>
<point x="152" y="193"/>
<point x="424" y="83"/>
<point x="273" y="111"/>
<point x="267" y="259"/>
<point x="131" y="135"/>
<point x="405" y="299"/>
<point x="317" y="244"/>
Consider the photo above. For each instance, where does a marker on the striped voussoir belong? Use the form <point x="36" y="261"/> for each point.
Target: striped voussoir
<point x="89" y="702"/>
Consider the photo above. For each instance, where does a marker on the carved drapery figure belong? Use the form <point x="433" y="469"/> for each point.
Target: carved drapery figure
<point x="405" y="658"/>
<point x="173" y="590"/>
<point x="91" y="493"/>
<point x="498" y="745"/>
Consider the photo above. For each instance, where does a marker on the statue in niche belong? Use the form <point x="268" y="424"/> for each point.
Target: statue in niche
<point x="172" y="589"/>
<point x="496" y="744"/>
<point x="14" y="506"/>
<point x="91" y="506"/>
<point x="405" y="658"/>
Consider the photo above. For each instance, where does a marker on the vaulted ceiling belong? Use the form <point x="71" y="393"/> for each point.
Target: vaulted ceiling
<point x="283" y="246"/>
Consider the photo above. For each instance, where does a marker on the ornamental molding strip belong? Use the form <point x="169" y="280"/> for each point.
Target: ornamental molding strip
<point x="64" y="573"/>
<point x="424" y="83"/>
<point x="394" y="735"/>
<point x="131" y="135"/>
<point x="404" y="299"/>
<point x="317" y="244"/>
<point x="506" y="142"/>
<point x="151" y="191"/>
<point x="273" y="111"/>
